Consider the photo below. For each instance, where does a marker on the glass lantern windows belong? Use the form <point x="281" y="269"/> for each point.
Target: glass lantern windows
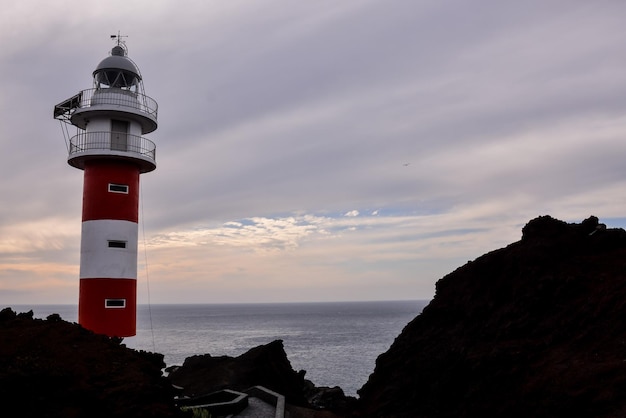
<point x="114" y="78"/>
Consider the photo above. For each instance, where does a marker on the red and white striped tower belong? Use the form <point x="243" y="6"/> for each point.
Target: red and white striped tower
<point x="110" y="119"/>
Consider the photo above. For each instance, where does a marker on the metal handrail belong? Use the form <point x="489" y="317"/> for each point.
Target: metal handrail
<point x="94" y="141"/>
<point x="118" y="97"/>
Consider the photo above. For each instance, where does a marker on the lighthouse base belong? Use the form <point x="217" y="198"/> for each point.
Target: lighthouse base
<point x="108" y="306"/>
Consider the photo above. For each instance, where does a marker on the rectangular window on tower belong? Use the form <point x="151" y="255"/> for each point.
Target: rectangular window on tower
<point x="117" y="244"/>
<point x="118" y="188"/>
<point x="115" y="303"/>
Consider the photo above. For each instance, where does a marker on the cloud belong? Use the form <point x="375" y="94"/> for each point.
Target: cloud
<point x="319" y="150"/>
<point x="257" y="234"/>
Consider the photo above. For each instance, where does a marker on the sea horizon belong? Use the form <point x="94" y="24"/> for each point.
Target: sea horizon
<point x="5" y="305"/>
<point x="335" y="342"/>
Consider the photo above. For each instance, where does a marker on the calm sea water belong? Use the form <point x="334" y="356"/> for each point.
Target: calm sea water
<point x="336" y="342"/>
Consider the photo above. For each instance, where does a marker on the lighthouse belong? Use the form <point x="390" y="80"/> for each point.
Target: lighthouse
<point x="109" y="147"/>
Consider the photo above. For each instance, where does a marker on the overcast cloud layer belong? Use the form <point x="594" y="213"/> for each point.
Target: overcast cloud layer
<point x="323" y="150"/>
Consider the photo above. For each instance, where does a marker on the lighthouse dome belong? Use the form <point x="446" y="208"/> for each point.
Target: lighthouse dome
<point x="118" y="71"/>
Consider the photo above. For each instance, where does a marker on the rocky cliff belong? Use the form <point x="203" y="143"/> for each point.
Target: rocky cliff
<point x="536" y="329"/>
<point x="52" y="368"/>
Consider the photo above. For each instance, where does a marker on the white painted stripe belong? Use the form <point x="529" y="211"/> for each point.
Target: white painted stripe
<point x="98" y="260"/>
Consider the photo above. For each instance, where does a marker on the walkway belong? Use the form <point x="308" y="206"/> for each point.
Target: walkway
<point x="257" y="409"/>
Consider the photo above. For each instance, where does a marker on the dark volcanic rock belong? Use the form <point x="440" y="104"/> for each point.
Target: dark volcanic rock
<point x="265" y="365"/>
<point x="331" y="398"/>
<point x="53" y="368"/>
<point x="534" y="329"/>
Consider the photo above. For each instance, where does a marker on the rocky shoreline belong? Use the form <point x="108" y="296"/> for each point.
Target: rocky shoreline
<point x="532" y="329"/>
<point x="59" y="369"/>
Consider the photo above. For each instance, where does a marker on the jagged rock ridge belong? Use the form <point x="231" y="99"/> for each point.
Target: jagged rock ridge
<point x="534" y="329"/>
<point x="266" y="365"/>
<point x="52" y="368"/>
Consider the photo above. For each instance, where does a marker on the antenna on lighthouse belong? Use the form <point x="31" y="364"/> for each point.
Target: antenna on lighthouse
<point x="120" y="42"/>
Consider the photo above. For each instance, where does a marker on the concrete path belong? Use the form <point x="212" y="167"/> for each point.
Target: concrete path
<point x="257" y="409"/>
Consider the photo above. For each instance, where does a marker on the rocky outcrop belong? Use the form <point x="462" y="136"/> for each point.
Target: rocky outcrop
<point x="266" y="365"/>
<point x="52" y="368"/>
<point x="329" y="398"/>
<point x="534" y="329"/>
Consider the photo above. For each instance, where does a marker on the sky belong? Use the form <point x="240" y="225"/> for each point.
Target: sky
<point x="316" y="151"/>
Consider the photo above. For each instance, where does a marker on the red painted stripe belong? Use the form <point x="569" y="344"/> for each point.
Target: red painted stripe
<point x="98" y="202"/>
<point x="92" y="313"/>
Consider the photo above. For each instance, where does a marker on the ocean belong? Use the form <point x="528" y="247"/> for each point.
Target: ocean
<point x="337" y="343"/>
